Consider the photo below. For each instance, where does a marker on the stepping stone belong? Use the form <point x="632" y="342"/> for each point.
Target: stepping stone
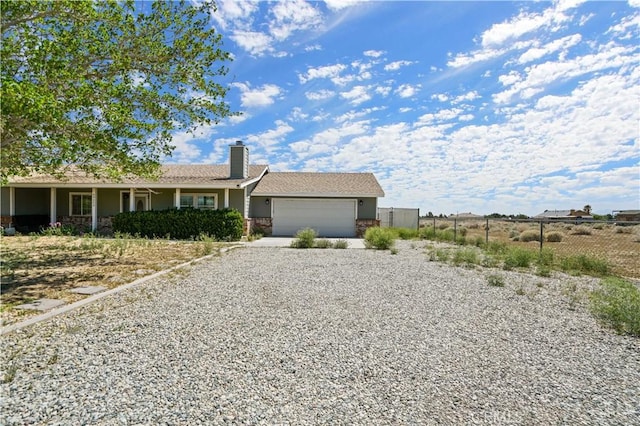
<point x="88" y="290"/>
<point x="42" y="304"/>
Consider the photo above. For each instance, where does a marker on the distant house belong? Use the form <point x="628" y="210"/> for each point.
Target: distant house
<point x="564" y="215"/>
<point x="334" y="204"/>
<point x="628" y="216"/>
<point x="467" y="215"/>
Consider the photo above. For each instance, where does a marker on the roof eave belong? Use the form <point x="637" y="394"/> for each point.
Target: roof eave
<point x="318" y="195"/>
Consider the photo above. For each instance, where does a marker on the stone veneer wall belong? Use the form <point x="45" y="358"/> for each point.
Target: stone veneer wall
<point x="264" y="223"/>
<point x="363" y="224"/>
<point x="5" y="221"/>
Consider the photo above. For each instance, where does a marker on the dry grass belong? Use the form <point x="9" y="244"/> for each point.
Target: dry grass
<point x="35" y="267"/>
<point x="602" y="241"/>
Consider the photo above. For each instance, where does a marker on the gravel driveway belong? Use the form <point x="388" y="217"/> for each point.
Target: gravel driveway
<point x="285" y="336"/>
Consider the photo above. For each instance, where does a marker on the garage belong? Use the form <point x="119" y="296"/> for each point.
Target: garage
<point x="329" y="217"/>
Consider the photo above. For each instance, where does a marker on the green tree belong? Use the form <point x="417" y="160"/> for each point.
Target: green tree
<point x="102" y="85"/>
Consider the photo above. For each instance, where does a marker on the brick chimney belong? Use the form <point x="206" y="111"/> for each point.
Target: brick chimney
<point x="238" y="161"/>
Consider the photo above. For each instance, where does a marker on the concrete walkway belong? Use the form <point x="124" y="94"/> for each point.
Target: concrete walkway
<point x="357" y="243"/>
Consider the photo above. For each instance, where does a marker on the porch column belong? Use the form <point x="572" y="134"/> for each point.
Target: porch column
<point x="53" y="204"/>
<point x="177" y="198"/>
<point x="132" y="199"/>
<point x="12" y="202"/>
<point x="94" y="209"/>
<point x="226" y="198"/>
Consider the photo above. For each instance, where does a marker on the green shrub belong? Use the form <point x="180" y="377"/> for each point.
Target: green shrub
<point x="57" y="229"/>
<point x="585" y="264"/>
<point x="517" y="257"/>
<point x="546" y="257"/>
<point x="406" y="233"/>
<point x="495" y="280"/>
<point x="379" y="238"/>
<point x="530" y="235"/>
<point x="181" y="224"/>
<point x="496" y="247"/>
<point x="323" y="243"/>
<point x="617" y="304"/>
<point x="305" y="238"/>
<point x="442" y="255"/>
<point x="340" y="244"/>
<point x="554" y="237"/>
<point x="427" y="233"/>
<point x="478" y="241"/>
<point x="466" y="256"/>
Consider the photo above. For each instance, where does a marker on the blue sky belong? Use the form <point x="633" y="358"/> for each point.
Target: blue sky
<point x="509" y="107"/>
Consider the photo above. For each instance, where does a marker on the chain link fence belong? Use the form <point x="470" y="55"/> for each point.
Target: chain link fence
<point x="616" y="243"/>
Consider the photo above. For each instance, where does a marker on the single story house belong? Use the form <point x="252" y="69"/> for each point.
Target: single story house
<point x="564" y="215"/>
<point x="334" y="204"/>
<point x="627" y="216"/>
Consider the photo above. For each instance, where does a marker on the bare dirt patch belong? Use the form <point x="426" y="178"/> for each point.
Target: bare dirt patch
<point x="35" y="267"/>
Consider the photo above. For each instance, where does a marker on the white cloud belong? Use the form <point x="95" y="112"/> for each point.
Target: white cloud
<point x="374" y="53"/>
<point x="313" y="47"/>
<point x="503" y="37"/>
<point x="232" y="13"/>
<point x="538" y="52"/>
<point x="383" y="90"/>
<point x="328" y="71"/>
<point x="353" y="115"/>
<point x="271" y="138"/>
<point x="467" y="97"/>
<point x="509" y="79"/>
<point x="465" y="59"/>
<point x="394" y="66"/>
<point x="320" y="95"/>
<point x="258" y="97"/>
<point x="541" y="75"/>
<point x="255" y="43"/>
<point x="291" y="16"/>
<point x="407" y="90"/>
<point x="341" y="4"/>
<point x="505" y="32"/>
<point x="297" y="114"/>
<point x="357" y="95"/>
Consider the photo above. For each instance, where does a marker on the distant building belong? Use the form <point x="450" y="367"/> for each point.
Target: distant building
<point x="467" y="215"/>
<point x="564" y="215"/>
<point x="628" y="216"/>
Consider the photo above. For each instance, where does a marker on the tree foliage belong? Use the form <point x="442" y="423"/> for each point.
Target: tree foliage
<point x="102" y="85"/>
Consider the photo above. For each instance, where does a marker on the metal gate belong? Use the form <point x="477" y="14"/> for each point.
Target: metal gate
<point x="391" y="217"/>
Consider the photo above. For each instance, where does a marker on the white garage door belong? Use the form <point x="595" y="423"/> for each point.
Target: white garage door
<point x="329" y="217"/>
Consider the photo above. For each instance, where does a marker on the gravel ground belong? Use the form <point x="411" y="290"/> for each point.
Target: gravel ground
<point x="284" y="336"/>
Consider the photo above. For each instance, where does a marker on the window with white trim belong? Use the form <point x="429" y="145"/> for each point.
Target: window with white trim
<point x="199" y="201"/>
<point x="80" y="204"/>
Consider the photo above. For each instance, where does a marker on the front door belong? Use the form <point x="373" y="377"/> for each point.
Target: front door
<point x="141" y="202"/>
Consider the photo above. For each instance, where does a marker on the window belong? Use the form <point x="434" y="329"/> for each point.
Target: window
<point x="186" y="201"/>
<point x="80" y="204"/>
<point x="198" y="201"/>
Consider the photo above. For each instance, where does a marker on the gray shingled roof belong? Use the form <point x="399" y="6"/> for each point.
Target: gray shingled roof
<point x="170" y="174"/>
<point x="318" y="185"/>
